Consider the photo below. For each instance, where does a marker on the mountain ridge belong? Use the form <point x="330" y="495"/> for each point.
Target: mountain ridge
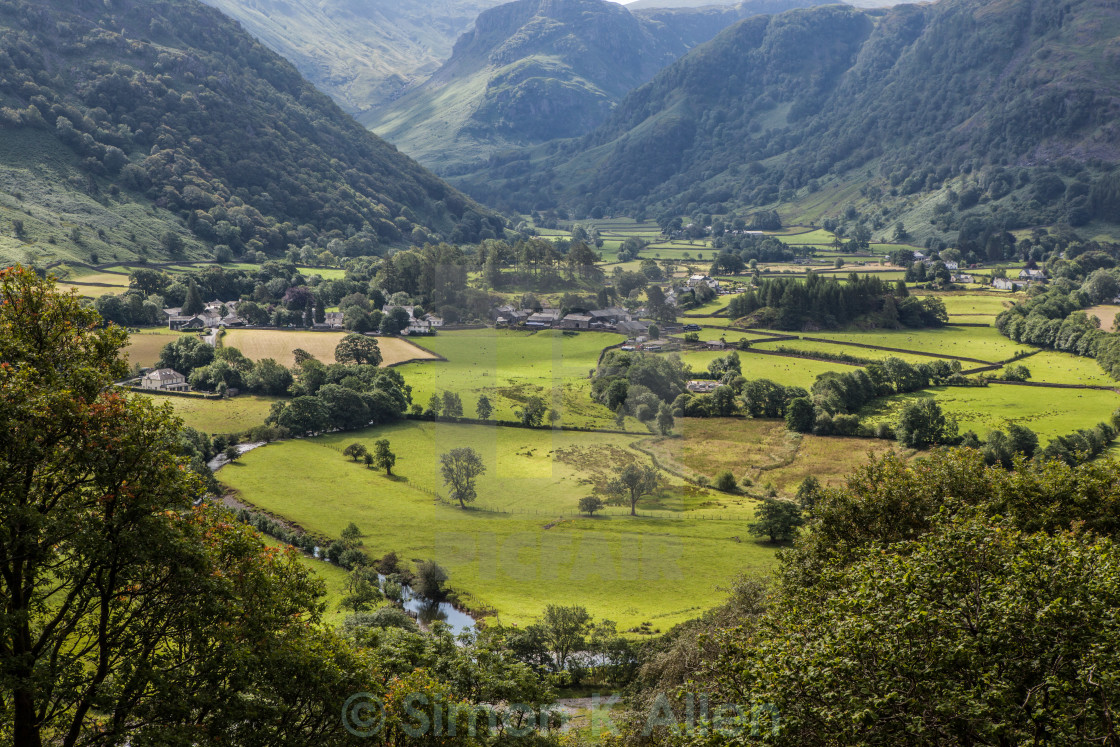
<point x="361" y="53"/>
<point x="933" y="98"/>
<point x="536" y="70"/>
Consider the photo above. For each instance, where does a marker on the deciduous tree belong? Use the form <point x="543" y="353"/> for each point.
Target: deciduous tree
<point x="460" y="467"/>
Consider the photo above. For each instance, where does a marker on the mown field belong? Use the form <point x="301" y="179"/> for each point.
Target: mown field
<point x="144" y="347"/>
<point x="278" y="344"/>
<point x="1048" y="412"/>
<point x="219" y="415"/>
<point x="1106" y="313"/>
<point x="630" y="570"/>
<point x="510" y="366"/>
<point x="987" y="305"/>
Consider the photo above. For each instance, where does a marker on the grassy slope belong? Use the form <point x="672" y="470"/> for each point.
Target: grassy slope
<point x="40" y="184"/>
<point x="630" y="570"/>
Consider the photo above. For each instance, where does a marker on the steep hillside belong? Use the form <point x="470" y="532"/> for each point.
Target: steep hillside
<point x="361" y="53"/>
<point x="1012" y="102"/>
<point x="536" y="70"/>
<point x="161" y="128"/>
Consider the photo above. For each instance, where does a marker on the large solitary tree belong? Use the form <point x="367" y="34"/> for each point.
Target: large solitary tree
<point x="460" y="467"/>
<point x="632" y="483"/>
<point x="358" y="349"/>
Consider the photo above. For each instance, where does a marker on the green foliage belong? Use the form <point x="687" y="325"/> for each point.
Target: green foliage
<point x="459" y="468"/>
<point x="532" y="411"/>
<point x="159" y="581"/>
<point x="429" y="579"/>
<point x="358" y="349"/>
<point x="726" y="482"/>
<point x="923" y="424"/>
<point x="789" y="303"/>
<point x="589" y="505"/>
<point x="383" y="458"/>
<point x="483" y="409"/>
<point x="633" y="482"/>
<point x="777" y="519"/>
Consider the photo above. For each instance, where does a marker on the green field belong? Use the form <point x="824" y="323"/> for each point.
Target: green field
<point x="1054" y="367"/>
<point x="1048" y="412"/>
<point x="510" y="366"/>
<point x="817" y="236"/>
<point x="627" y="569"/>
<point x="981" y="343"/>
<point x="219" y="415"/>
<point x="810" y="347"/>
<point x="985" y="306"/>
<point x="785" y="371"/>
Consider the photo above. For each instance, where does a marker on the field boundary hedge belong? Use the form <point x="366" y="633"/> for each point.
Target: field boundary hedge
<point x="169" y="393"/>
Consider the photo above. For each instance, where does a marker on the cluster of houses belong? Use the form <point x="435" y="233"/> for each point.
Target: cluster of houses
<point x="1026" y="277"/>
<point x="215" y="314"/>
<point x="612" y="319"/>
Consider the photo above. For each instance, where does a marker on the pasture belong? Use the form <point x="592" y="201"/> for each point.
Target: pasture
<point x="810" y="347"/>
<point x="212" y="416"/>
<point x="1048" y="412"/>
<point x="1056" y="367"/>
<point x="783" y="370"/>
<point x="628" y="569"/>
<point x="510" y="366"/>
<point x="762" y="450"/>
<point x="980" y="343"/>
<point x="278" y="344"/>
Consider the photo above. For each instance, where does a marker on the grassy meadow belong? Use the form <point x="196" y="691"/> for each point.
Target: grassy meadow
<point x="539" y="552"/>
<point x="784" y="370"/>
<point x="219" y="415"/>
<point x="1049" y="412"/>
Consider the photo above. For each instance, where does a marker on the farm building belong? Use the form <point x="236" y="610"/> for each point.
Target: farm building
<point x="576" y="321"/>
<point x="702" y="386"/>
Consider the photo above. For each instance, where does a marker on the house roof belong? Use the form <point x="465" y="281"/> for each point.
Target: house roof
<point x="163" y="374"/>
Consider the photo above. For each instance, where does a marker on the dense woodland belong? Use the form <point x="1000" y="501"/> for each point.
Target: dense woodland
<point x="819" y="303"/>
